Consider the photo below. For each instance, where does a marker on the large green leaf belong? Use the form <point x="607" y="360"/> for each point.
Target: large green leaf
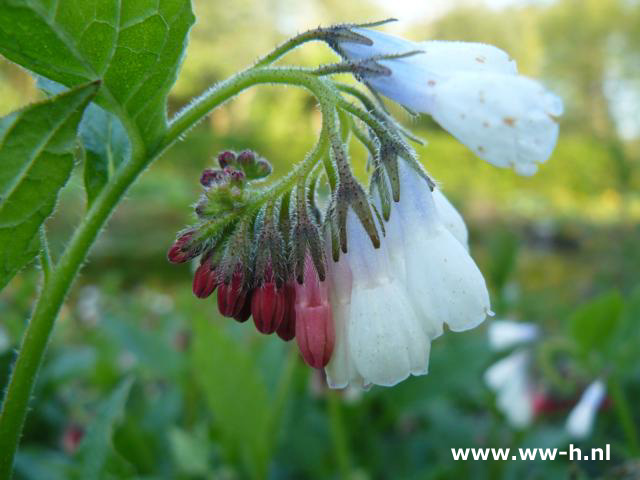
<point x="36" y="159"/>
<point x="593" y="324"/>
<point x="104" y="139"/>
<point x="133" y="46"/>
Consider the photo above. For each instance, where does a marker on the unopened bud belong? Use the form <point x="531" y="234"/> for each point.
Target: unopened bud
<point x="211" y="176"/>
<point x="205" y="280"/>
<point x="287" y="329"/>
<point x="245" y="313"/>
<point x="246" y="158"/>
<point x="315" y="332"/>
<point x="268" y="304"/>
<point x="180" y="251"/>
<point x="226" y="158"/>
<point x="232" y="296"/>
<point x="262" y="168"/>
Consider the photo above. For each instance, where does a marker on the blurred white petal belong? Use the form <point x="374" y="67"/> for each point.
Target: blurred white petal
<point x="580" y="420"/>
<point x="504" y="334"/>
<point x="509" y="379"/>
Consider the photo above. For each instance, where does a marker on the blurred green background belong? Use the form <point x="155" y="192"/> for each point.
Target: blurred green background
<point x="143" y="380"/>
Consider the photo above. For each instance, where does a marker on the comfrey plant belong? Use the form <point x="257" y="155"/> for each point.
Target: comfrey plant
<point x="364" y="283"/>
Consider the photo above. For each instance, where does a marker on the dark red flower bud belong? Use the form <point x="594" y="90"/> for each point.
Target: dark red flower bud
<point x="287" y="329"/>
<point x="267" y="304"/>
<point x="245" y="313"/>
<point x="232" y="296"/>
<point x="180" y="251"/>
<point x="315" y="332"/>
<point x="226" y="158"/>
<point x="205" y="280"/>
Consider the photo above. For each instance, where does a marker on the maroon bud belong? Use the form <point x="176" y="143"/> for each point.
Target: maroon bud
<point x="232" y="296"/>
<point x="180" y="251"/>
<point x="205" y="280"/>
<point x="268" y="304"/>
<point x="245" y="313"/>
<point x="237" y="176"/>
<point x="315" y="332"/>
<point x="246" y="158"/>
<point x="226" y="158"/>
<point x="287" y="329"/>
<point x="211" y="176"/>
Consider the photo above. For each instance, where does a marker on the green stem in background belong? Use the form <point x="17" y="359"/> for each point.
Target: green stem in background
<point x="339" y="437"/>
<point x="623" y="410"/>
<point x="59" y="280"/>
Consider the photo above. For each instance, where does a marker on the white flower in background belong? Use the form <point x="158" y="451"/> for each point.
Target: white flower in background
<point x="581" y="419"/>
<point x="509" y="379"/>
<point x="472" y="90"/>
<point x="504" y="334"/>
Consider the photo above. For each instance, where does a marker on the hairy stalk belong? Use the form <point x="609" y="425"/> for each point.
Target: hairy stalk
<point x="291" y="44"/>
<point x="59" y="279"/>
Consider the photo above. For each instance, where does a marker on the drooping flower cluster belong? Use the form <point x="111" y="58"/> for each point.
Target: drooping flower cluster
<point x="368" y="284"/>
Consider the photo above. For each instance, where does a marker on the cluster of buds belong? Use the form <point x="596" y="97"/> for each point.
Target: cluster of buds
<point x="247" y="264"/>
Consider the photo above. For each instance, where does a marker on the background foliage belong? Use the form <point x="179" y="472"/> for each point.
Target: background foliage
<point x="143" y="380"/>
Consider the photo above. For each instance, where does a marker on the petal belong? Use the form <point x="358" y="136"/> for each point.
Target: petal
<point x="413" y="78"/>
<point x="451" y="218"/>
<point x="385" y="340"/>
<point x="581" y="418"/>
<point x="509" y="121"/>
<point x="504" y="334"/>
<point x="443" y="280"/>
<point x="447" y="58"/>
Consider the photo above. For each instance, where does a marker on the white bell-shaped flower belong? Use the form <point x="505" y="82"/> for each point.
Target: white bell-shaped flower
<point x="443" y="281"/>
<point x="473" y="91"/>
<point x="581" y="419"/>
<point x="384" y="340"/>
<point x="509" y="379"/>
<point x="504" y="334"/>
